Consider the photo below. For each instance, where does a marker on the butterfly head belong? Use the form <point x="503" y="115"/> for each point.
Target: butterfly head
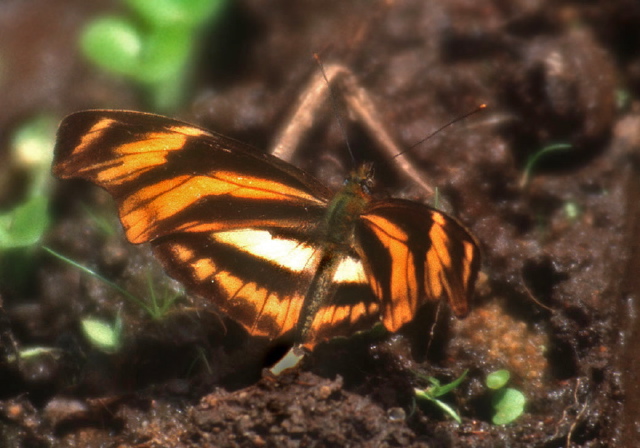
<point x="362" y="177"/>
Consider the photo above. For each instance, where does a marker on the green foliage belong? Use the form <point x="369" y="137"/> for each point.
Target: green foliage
<point x="571" y="210"/>
<point x="498" y="379"/>
<point x="159" y="306"/>
<point x="508" y="403"/>
<point x="31" y="144"/>
<point x="535" y="158"/>
<point x="153" y="48"/>
<point x="185" y="13"/>
<point x="436" y="390"/>
<point x="34" y="352"/>
<point x="103" y="335"/>
<point x="24" y="225"/>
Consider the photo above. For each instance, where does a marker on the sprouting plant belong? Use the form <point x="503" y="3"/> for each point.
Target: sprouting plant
<point x="103" y="335"/>
<point x="156" y="307"/>
<point x="154" y="47"/>
<point x="508" y="403"/>
<point x="571" y="210"/>
<point x="533" y="160"/>
<point x="436" y="390"/>
<point x="24" y="224"/>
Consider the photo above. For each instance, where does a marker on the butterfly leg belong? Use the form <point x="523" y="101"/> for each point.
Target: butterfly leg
<point x="359" y="102"/>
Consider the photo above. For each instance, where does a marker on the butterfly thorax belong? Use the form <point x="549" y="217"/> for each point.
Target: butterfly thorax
<point x="345" y="208"/>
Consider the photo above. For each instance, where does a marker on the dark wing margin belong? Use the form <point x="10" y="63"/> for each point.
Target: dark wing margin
<point x="168" y="176"/>
<point x="414" y="254"/>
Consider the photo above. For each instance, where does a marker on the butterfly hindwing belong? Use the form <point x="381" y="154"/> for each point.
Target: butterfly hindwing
<point x="414" y="254"/>
<point x="256" y="278"/>
<point x="348" y="308"/>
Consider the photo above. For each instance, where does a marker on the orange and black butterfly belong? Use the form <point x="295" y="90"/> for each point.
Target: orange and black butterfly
<point x="271" y="246"/>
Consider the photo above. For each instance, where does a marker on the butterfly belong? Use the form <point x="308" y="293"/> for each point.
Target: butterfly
<point x="269" y="244"/>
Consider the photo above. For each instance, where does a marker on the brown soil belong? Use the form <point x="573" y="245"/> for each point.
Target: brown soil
<point x="557" y="300"/>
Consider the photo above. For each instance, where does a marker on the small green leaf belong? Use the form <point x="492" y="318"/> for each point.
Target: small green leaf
<point x="508" y="404"/>
<point x="102" y="334"/>
<point x="498" y="379"/>
<point x="114" y="44"/>
<point x="164" y="55"/>
<point x="185" y="13"/>
<point x="34" y="352"/>
<point x="571" y="210"/>
<point x="24" y="225"/>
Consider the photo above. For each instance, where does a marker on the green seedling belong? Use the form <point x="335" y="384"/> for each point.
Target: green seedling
<point x="535" y="158"/>
<point x="436" y="390"/>
<point x="157" y="307"/>
<point x="31" y="149"/>
<point x="571" y="210"/>
<point x="24" y="224"/>
<point x="498" y="379"/>
<point x="35" y="352"/>
<point x="508" y="403"/>
<point x="154" y="47"/>
<point x="102" y="334"/>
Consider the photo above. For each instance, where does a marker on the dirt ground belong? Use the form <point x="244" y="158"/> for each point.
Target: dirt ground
<point x="556" y="302"/>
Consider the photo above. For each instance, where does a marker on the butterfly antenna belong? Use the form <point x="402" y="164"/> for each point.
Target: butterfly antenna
<point x="334" y="106"/>
<point x="441" y="128"/>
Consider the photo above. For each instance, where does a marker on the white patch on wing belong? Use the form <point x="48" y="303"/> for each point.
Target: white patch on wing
<point x="350" y="270"/>
<point x="289" y="254"/>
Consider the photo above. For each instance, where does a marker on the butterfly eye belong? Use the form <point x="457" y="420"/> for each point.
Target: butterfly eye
<point x="367" y="185"/>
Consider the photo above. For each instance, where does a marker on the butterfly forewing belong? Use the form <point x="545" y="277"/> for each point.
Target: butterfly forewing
<point x="168" y="176"/>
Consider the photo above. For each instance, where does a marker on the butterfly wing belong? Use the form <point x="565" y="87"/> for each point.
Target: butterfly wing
<point x="233" y="224"/>
<point x="413" y="254"/>
<point x="348" y="304"/>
